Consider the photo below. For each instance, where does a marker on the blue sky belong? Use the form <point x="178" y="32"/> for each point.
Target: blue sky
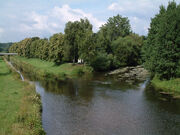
<point x="27" y="18"/>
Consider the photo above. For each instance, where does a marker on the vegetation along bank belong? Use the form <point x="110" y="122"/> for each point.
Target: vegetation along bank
<point x="113" y="46"/>
<point x="49" y="70"/>
<point x="161" y="51"/>
<point x="20" y="106"/>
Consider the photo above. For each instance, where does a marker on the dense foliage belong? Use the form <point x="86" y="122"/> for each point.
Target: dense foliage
<point x="114" y="45"/>
<point x="127" y="50"/>
<point x="115" y="27"/>
<point x="162" y="48"/>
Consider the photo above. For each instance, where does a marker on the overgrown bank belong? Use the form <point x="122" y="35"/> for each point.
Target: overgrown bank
<point x="48" y="70"/>
<point x="171" y="87"/>
<point x="20" y="106"/>
<point x="161" y="51"/>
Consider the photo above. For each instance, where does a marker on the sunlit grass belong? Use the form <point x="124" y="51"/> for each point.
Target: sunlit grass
<point x="68" y="69"/>
<point x="170" y="86"/>
<point x="19" y="112"/>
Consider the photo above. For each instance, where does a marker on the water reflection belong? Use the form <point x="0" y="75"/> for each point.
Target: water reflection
<point x="102" y="106"/>
<point x="70" y="88"/>
<point x="164" y="102"/>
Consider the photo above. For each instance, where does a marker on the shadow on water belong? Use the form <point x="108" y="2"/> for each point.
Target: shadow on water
<point x="70" y="88"/>
<point x="83" y="87"/>
<point x="165" y="102"/>
<point x="100" y="105"/>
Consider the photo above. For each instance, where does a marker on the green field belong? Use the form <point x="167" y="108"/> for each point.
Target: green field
<point x="168" y="86"/>
<point x="49" y="69"/>
<point x="19" y="105"/>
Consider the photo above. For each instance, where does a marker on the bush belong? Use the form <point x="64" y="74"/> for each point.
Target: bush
<point x="127" y="50"/>
<point x="114" y="63"/>
<point x="101" y="62"/>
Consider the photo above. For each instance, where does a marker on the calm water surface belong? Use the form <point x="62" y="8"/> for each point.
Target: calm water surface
<point x="102" y="106"/>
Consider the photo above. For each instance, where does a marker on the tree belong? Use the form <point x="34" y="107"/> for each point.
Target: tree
<point x="116" y="26"/>
<point x="45" y="50"/>
<point x="33" y="48"/>
<point x="113" y="46"/>
<point x="101" y="62"/>
<point x="127" y="50"/>
<point x="76" y="34"/>
<point x="56" y="48"/>
<point x="162" y="49"/>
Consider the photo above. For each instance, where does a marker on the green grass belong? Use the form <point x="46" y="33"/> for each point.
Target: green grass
<point x="168" y="86"/>
<point x="19" y="111"/>
<point x="49" y="69"/>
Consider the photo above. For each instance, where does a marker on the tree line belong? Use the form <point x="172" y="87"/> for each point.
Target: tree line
<point x="113" y="46"/>
<point x="161" y="51"/>
<point x="4" y="47"/>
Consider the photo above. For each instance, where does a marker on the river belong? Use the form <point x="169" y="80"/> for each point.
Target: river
<point x="103" y="106"/>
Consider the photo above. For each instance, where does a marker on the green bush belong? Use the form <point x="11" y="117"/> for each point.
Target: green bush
<point x="101" y="62"/>
<point x="127" y="50"/>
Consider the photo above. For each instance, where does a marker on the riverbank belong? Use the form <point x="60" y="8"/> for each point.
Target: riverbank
<point x="170" y="87"/>
<point x="19" y="105"/>
<point x="46" y="69"/>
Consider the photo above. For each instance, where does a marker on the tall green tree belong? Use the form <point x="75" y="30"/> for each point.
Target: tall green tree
<point x="56" y="48"/>
<point x="76" y="34"/>
<point x="116" y="26"/>
<point x="162" y="49"/>
<point x="127" y="50"/>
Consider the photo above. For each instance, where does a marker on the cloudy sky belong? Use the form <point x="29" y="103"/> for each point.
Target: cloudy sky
<point x="27" y="18"/>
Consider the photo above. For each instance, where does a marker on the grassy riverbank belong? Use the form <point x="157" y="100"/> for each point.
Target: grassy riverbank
<point x="19" y="105"/>
<point x="171" y="87"/>
<point x="48" y="69"/>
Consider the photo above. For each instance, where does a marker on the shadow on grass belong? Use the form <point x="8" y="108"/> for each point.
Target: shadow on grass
<point x="4" y="74"/>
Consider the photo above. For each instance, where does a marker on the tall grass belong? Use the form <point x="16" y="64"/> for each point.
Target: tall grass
<point x="167" y="86"/>
<point x="20" y="106"/>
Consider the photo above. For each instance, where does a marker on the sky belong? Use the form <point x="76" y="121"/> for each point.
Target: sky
<point x="20" y="19"/>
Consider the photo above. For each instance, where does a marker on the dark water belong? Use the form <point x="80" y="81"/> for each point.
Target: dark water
<point x="102" y="106"/>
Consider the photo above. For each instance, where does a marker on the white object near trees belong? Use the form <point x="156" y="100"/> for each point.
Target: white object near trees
<point x="80" y="61"/>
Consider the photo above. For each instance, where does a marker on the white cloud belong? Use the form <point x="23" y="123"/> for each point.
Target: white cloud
<point x="40" y="21"/>
<point x="66" y="14"/>
<point x="115" y="6"/>
<point x="142" y="7"/>
<point x="54" y="21"/>
<point x="139" y="12"/>
<point x="35" y="23"/>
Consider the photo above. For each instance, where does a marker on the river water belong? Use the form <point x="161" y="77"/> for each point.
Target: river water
<point x="102" y="106"/>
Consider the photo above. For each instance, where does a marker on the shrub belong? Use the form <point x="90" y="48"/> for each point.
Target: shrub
<point x="101" y="62"/>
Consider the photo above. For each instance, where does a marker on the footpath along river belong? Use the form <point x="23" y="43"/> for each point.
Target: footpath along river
<point x="103" y="106"/>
